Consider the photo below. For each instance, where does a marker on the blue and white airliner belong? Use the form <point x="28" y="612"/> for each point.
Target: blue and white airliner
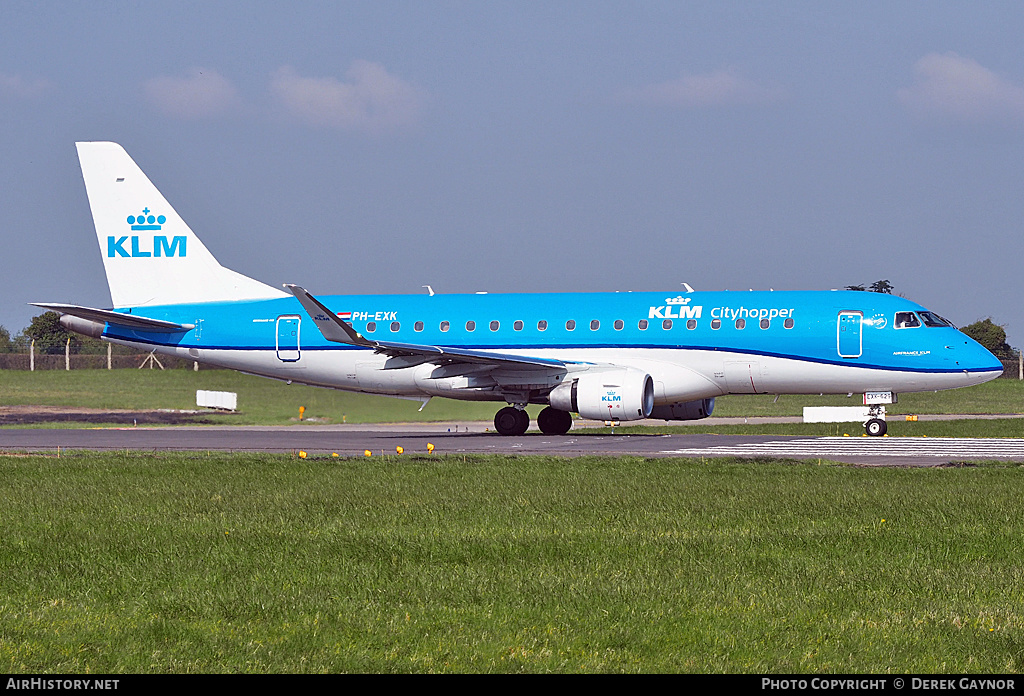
<point x="612" y="356"/>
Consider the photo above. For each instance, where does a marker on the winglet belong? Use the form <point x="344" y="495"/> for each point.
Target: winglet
<point x="332" y="328"/>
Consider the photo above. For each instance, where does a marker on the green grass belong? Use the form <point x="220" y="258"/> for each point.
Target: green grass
<point x="269" y="402"/>
<point x="133" y="563"/>
<point x="998" y="427"/>
<point x="260" y="401"/>
<point x="1000" y="396"/>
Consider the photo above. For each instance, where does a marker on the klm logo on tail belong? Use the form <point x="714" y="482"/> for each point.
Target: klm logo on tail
<point x="159" y="246"/>
<point x="146" y="221"/>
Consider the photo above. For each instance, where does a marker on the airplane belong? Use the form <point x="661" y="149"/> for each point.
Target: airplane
<point x="616" y="357"/>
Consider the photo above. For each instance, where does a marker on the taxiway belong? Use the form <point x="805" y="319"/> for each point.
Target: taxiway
<point x="356" y="440"/>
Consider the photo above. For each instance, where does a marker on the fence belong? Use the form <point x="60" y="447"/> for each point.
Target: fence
<point x="23" y="361"/>
<point x="1013" y="369"/>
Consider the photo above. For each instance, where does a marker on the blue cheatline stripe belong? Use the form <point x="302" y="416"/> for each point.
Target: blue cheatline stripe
<point x="486" y="348"/>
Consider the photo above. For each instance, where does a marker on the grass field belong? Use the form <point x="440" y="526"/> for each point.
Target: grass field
<point x="233" y="563"/>
<point x="961" y="427"/>
<point x="260" y="401"/>
<point x="268" y="402"/>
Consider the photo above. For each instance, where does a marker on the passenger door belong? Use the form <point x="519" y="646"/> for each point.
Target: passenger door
<point x="849" y="334"/>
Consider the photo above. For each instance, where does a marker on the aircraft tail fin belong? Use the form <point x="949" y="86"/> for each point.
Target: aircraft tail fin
<point x="150" y="255"/>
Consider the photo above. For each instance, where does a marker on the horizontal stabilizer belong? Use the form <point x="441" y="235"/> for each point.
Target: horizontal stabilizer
<point x="338" y="331"/>
<point x="130" y="321"/>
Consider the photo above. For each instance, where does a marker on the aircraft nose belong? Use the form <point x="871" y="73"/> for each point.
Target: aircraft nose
<point x="978" y="361"/>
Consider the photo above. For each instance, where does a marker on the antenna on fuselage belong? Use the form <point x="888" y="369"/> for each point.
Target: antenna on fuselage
<point x="687" y="286"/>
<point x="430" y="290"/>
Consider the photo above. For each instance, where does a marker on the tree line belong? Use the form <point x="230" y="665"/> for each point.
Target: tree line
<point x="52" y="339"/>
<point x="985" y="331"/>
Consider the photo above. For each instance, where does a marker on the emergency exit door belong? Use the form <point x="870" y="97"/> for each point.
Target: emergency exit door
<point x="288" y="338"/>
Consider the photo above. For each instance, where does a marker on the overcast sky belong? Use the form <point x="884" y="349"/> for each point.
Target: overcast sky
<point x="375" y="147"/>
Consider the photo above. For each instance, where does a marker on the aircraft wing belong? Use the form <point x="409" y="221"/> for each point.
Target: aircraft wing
<point x="339" y="331"/>
<point x="131" y="321"/>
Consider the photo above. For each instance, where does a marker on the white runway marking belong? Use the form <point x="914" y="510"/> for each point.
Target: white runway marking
<point x="948" y="447"/>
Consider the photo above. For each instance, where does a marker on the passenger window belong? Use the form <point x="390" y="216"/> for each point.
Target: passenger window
<point x="789" y="323"/>
<point x="445" y="326"/>
<point x="517" y="325"/>
<point x="418" y="326"/>
<point x="765" y="323"/>
<point x="395" y="326"/>
<point x="494" y="326"/>
<point x="716" y="324"/>
<point x="741" y="323"/>
<point x="666" y="324"/>
<point x="618" y="325"/>
<point x="542" y="325"/>
<point x="691" y="324"/>
<point x="470" y="325"/>
<point x="570" y="325"/>
<point x="907" y="320"/>
<point x="595" y="324"/>
<point x="371" y="326"/>
<point x="642" y="325"/>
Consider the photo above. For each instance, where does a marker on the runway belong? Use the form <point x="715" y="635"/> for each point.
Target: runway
<point x="355" y="440"/>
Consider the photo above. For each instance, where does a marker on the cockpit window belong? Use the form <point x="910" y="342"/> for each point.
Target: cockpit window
<point x="933" y="319"/>
<point x="907" y="320"/>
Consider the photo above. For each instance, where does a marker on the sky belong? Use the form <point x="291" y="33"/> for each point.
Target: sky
<point x="377" y="147"/>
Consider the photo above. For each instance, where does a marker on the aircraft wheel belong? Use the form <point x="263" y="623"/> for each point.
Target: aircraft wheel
<point x="875" y="427"/>
<point x="511" y="421"/>
<point x="524" y="421"/>
<point x="551" y="421"/>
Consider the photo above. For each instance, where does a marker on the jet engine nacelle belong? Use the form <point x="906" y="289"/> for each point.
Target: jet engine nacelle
<point x="82" y="326"/>
<point x="622" y="394"/>
<point x="684" y="410"/>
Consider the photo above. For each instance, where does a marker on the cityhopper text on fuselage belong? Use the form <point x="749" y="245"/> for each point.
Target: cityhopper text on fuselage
<point x="611" y="356"/>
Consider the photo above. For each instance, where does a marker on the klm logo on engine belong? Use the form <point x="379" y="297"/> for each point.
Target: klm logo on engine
<point x="143" y="246"/>
<point x="611" y="397"/>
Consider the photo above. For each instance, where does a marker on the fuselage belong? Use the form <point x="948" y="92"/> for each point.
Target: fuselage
<point x="694" y="345"/>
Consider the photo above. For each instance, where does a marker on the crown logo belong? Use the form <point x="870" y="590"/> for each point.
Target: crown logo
<point x="146" y="221"/>
<point x="678" y="299"/>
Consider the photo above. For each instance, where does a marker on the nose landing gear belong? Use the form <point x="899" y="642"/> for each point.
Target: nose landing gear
<point x="875" y="426"/>
<point x="876" y="401"/>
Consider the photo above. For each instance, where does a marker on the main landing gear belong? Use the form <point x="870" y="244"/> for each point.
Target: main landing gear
<point x="514" y="421"/>
<point x="511" y="421"/>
